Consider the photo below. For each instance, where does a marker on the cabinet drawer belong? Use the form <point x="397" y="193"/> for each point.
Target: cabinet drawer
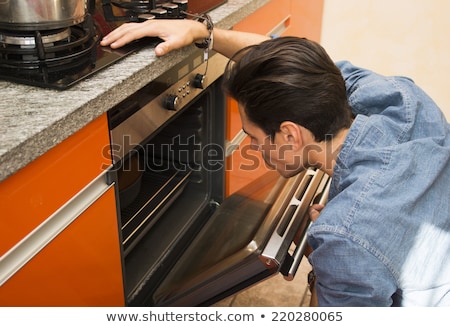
<point x="266" y="18"/>
<point x="32" y="194"/>
<point x="80" y="267"/>
<point x="306" y="20"/>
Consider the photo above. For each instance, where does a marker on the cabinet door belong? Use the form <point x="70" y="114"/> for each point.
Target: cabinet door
<point x="49" y="255"/>
<point x="80" y="267"/>
<point x="305" y="19"/>
<point x="35" y="192"/>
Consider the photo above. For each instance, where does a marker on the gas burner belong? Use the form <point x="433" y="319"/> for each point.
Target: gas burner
<point x="36" y="57"/>
<point x="139" y="10"/>
<point x="29" y="38"/>
<point x="59" y="56"/>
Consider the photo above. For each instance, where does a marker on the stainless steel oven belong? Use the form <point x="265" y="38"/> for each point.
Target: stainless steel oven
<point x="183" y="242"/>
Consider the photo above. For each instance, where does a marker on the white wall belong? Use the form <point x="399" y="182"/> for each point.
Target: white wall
<point x="401" y="37"/>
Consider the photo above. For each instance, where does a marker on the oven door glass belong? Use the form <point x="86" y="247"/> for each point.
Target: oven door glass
<point x="246" y="240"/>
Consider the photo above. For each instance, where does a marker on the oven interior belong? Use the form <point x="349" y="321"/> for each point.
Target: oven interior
<point x="182" y="183"/>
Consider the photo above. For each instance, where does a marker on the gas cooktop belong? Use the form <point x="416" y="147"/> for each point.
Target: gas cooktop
<point x="60" y="58"/>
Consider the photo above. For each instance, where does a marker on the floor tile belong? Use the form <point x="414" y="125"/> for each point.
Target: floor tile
<point x="275" y="291"/>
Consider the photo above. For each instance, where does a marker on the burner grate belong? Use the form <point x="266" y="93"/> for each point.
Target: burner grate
<point x="46" y="58"/>
<point x="36" y="52"/>
<point x="59" y="58"/>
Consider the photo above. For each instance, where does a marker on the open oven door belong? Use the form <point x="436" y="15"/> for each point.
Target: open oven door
<point x="247" y="239"/>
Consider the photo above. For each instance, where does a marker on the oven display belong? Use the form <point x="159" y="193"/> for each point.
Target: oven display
<point x="183" y="71"/>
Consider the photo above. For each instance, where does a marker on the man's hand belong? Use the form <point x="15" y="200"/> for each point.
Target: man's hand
<point x="314" y="211"/>
<point x="174" y="33"/>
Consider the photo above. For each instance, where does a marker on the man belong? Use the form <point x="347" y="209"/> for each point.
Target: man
<point x="384" y="237"/>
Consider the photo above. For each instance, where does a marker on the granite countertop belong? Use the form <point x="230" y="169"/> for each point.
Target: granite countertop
<point x="33" y="120"/>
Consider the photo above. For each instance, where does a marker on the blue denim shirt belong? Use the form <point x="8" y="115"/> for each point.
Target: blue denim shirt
<point x="383" y="239"/>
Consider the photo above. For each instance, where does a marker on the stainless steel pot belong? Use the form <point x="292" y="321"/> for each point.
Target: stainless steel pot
<point x="41" y="14"/>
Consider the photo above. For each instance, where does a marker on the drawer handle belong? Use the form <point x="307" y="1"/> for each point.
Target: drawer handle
<point x="281" y="27"/>
<point x="234" y="144"/>
<point x="21" y="253"/>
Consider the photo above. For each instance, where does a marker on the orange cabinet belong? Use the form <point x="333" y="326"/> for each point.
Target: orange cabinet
<point x="80" y="267"/>
<point x="278" y="17"/>
<point x="31" y="195"/>
<point x="59" y="241"/>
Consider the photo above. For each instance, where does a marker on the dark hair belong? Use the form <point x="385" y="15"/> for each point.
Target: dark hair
<point x="289" y="79"/>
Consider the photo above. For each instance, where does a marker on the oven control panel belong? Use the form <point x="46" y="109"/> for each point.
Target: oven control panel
<point x="173" y="101"/>
<point x="151" y="107"/>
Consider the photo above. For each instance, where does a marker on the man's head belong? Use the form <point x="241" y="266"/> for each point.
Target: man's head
<point x="285" y="82"/>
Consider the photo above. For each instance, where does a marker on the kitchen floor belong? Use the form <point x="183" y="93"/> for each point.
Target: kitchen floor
<point x="409" y="39"/>
<point x="275" y="291"/>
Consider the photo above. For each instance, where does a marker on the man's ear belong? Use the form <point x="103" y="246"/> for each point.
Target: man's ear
<point x="291" y="134"/>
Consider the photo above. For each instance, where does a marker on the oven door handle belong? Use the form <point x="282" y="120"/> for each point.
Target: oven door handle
<point x="277" y="252"/>
<point x="303" y="243"/>
<point x="234" y="144"/>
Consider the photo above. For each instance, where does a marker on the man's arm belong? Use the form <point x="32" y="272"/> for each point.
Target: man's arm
<point x="180" y="33"/>
<point x="228" y="42"/>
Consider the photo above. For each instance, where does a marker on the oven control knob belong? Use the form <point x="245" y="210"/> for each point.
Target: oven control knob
<point x="199" y="81"/>
<point x="171" y="102"/>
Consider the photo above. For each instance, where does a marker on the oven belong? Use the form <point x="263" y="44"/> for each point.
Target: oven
<point x="183" y="242"/>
